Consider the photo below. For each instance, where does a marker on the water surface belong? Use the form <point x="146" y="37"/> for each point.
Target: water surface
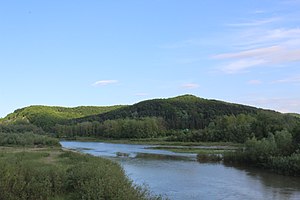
<point x="179" y="176"/>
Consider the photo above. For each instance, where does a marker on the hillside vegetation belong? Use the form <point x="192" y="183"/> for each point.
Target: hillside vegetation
<point x="50" y="173"/>
<point x="294" y="114"/>
<point x="46" y="117"/>
<point x="182" y="112"/>
<point x="272" y="139"/>
<point x="185" y="118"/>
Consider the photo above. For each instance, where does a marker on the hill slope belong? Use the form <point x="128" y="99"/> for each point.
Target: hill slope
<point x="47" y="116"/>
<point x="182" y="118"/>
<point x="294" y="114"/>
<point x="182" y="112"/>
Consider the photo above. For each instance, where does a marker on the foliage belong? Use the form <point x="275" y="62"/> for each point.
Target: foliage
<point x="183" y="112"/>
<point x="46" y="117"/>
<point x="185" y="118"/>
<point x="294" y="114"/>
<point x="20" y="126"/>
<point x="209" y="158"/>
<point x="276" y="152"/>
<point x="26" y="175"/>
<point x="26" y="139"/>
<point x="120" y="128"/>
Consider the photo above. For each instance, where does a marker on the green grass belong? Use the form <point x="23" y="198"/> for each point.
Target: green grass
<point x="214" y="150"/>
<point x="55" y="174"/>
<point x="152" y="141"/>
<point x="151" y="156"/>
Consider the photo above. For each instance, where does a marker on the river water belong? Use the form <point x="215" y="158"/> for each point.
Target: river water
<point x="179" y="176"/>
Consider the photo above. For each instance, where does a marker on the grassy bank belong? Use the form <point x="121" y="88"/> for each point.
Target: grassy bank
<point x="279" y="153"/>
<point x="151" y="141"/>
<point x="51" y="173"/>
<point x="198" y="150"/>
<point x="35" y="167"/>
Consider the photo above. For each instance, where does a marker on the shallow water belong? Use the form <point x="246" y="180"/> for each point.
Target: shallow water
<point x="179" y="176"/>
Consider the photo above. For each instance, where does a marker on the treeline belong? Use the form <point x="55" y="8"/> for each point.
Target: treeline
<point x="185" y="118"/>
<point x="27" y="139"/>
<point x="46" y="117"/>
<point x="227" y="128"/>
<point x="279" y="152"/>
<point x="238" y="128"/>
<point x="69" y="176"/>
<point x="20" y="126"/>
<point x="148" y="127"/>
<point x="183" y="112"/>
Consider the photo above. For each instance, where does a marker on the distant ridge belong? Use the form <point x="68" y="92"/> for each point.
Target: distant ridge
<point x="185" y="111"/>
<point x="48" y="116"/>
<point x="181" y="112"/>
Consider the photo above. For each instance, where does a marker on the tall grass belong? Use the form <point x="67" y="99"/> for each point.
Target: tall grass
<point x="68" y="175"/>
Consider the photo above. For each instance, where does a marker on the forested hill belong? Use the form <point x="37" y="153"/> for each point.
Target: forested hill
<point x="182" y="112"/>
<point x="294" y="114"/>
<point x="182" y="118"/>
<point x="47" y="117"/>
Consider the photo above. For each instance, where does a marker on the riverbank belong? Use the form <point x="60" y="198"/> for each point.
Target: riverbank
<point x="55" y="174"/>
<point x="150" y="141"/>
<point x="177" y="178"/>
<point x="176" y="147"/>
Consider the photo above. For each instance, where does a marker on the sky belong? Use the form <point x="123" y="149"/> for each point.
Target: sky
<point x="75" y="52"/>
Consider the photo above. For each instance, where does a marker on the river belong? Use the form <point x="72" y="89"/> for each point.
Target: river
<point x="179" y="176"/>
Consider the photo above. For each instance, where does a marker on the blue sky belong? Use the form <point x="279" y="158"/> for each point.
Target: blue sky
<point x="93" y="52"/>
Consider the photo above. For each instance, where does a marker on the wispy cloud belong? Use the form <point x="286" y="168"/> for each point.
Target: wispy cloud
<point x="254" y="82"/>
<point x="259" y="52"/>
<point x="190" y="86"/>
<point x="104" y="82"/>
<point x="240" y="66"/>
<point x="284" y="105"/>
<point x="292" y="79"/>
<point x="293" y="2"/>
<point x="255" y="22"/>
<point x="263" y="42"/>
<point x="260" y="57"/>
<point x="259" y="11"/>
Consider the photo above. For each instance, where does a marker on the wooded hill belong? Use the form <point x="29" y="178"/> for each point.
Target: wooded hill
<point x="272" y="139"/>
<point x="182" y="118"/>
<point x="182" y="112"/>
<point x="46" y="117"/>
<point x="294" y="114"/>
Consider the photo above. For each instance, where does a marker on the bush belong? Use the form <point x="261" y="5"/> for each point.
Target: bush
<point x="27" y="139"/>
<point x="72" y="176"/>
<point x="277" y="153"/>
<point x="288" y="165"/>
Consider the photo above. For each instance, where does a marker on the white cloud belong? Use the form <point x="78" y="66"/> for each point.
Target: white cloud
<point x="256" y="22"/>
<point x="285" y="105"/>
<point x="259" y="52"/>
<point x="241" y="66"/>
<point x="282" y="33"/>
<point x="190" y="86"/>
<point x="261" y="43"/>
<point x="104" y="82"/>
<point x="267" y="56"/>
<point x="293" y="79"/>
<point x="261" y="37"/>
<point x="254" y="82"/>
<point x="259" y="12"/>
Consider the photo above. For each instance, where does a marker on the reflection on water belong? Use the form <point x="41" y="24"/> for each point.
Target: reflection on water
<point x="187" y="179"/>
